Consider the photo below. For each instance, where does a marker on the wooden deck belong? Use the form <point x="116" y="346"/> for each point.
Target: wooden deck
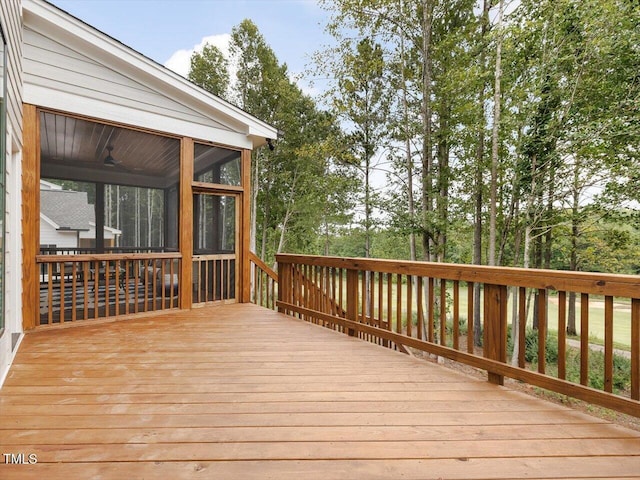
<point x="241" y="392"/>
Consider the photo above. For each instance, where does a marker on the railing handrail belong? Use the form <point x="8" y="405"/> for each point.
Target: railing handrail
<point x="97" y="257"/>
<point x="263" y="266"/>
<point x="585" y="282"/>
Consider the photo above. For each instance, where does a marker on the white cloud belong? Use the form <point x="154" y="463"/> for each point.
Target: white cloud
<point x="180" y="61"/>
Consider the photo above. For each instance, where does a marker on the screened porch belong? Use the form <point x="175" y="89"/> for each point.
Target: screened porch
<point x="111" y="210"/>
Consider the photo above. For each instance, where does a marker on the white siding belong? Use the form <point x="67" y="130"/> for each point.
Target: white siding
<point x="59" y="77"/>
<point x="59" y="68"/>
<point x="11" y="20"/>
<point x="10" y="16"/>
<point x="61" y="239"/>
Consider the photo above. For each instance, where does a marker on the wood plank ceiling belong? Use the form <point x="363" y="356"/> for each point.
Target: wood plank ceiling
<point x="76" y="149"/>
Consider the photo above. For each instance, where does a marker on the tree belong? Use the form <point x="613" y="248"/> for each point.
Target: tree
<point x="210" y="70"/>
<point x="361" y="100"/>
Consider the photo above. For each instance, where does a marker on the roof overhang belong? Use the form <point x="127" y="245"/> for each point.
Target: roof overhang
<point x="65" y="29"/>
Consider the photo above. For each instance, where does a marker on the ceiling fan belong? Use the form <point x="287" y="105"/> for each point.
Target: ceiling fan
<point x="109" y="161"/>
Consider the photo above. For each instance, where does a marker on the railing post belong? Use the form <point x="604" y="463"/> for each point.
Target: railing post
<point x="284" y="285"/>
<point x="352" y="299"/>
<point x="495" y="327"/>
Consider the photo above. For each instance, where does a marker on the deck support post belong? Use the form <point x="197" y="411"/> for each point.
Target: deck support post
<point x="495" y="327"/>
<point x="30" y="216"/>
<point x="186" y="223"/>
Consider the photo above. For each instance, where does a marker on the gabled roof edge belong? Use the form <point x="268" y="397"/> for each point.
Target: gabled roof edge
<point x="162" y="79"/>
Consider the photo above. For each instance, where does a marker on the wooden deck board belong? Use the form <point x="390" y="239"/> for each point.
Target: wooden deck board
<point x="243" y="392"/>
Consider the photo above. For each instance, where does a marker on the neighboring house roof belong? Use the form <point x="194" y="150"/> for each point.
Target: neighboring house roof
<point x="67" y="209"/>
<point x="67" y="62"/>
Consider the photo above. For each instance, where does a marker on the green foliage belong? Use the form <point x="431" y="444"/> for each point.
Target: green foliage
<point x="532" y="346"/>
<point x="210" y="70"/>
<point x="414" y="97"/>
<point x="621" y="365"/>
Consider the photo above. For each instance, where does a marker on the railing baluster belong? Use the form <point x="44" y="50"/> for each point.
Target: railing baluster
<point x="522" y="324"/>
<point x="584" y="339"/>
<point x="470" y="313"/>
<point x="635" y="349"/>
<point x="562" y="335"/>
<point x="542" y="330"/>
<point x="62" y="292"/>
<point x="74" y="287"/>
<point x="430" y="310"/>
<point x="608" y="344"/>
<point x="50" y="294"/>
<point x="116" y="282"/>
<point x="409" y="302"/>
<point x="398" y="303"/>
<point x="352" y="299"/>
<point x="228" y="284"/>
<point x="107" y="289"/>
<point x="456" y="314"/>
<point x="420" y="308"/>
<point x="443" y="311"/>
<point x="127" y="268"/>
<point x="371" y="302"/>
<point x="96" y="289"/>
<point x="162" y="285"/>
<point x="389" y="304"/>
<point x="85" y="278"/>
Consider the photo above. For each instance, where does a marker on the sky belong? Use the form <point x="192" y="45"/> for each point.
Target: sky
<point x="168" y="31"/>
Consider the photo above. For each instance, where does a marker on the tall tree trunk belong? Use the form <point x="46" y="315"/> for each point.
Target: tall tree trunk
<point x="407" y="144"/>
<point x="575" y="235"/>
<point x="479" y="183"/>
<point x="515" y="322"/>
<point x="254" y="202"/>
<point x="287" y="216"/>
<point x="265" y="223"/>
<point x="442" y="201"/>
<point x="427" y="161"/>
<point x="497" y="97"/>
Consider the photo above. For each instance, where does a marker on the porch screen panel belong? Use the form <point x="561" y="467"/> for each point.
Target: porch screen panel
<point x="217" y="165"/>
<point x="214" y="239"/>
<point x="136" y="219"/>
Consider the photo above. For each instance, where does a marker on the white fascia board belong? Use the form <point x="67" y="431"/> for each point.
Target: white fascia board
<point x="49" y="221"/>
<point x="115" y="231"/>
<point x="68" y="30"/>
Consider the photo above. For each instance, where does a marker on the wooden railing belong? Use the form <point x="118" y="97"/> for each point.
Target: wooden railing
<point x="264" y="283"/>
<point x="423" y="306"/>
<point x="83" y="287"/>
<point x="214" y="278"/>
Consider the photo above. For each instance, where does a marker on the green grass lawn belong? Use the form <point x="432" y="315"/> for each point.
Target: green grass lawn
<point x="621" y="320"/>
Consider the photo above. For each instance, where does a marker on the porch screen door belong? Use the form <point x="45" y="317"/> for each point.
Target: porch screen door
<point x="215" y="247"/>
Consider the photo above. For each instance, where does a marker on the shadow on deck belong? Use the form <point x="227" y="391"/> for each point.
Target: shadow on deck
<point x="242" y="392"/>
